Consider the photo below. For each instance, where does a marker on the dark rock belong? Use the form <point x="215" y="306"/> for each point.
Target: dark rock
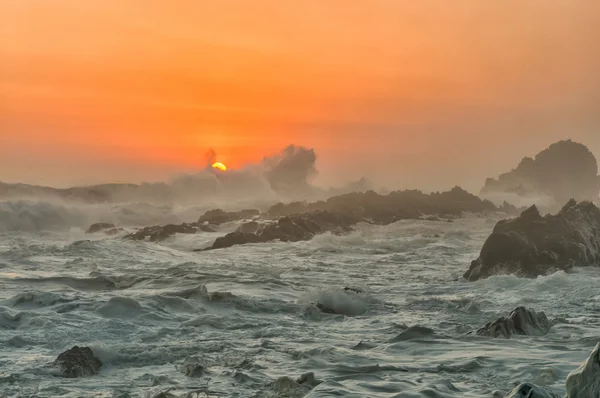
<point x="531" y="245"/>
<point x="299" y="221"/>
<point x="218" y="216"/>
<point x="235" y="238"/>
<point x="521" y="321"/>
<point x="293" y="228"/>
<point x="162" y="232"/>
<point x="77" y="362"/>
<point x="564" y="170"/>
<point x="412" y="333"/>
<point x="99" y="227"/>
<point x="308" y="379"/>
<point x="353" y="289"/>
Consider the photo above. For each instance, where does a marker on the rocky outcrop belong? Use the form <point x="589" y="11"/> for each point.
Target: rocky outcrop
<point x="521" y="321"/>
<point x="386" y="209"/>
<point x="290" y="229"/>
<point x="299" y="221"/>
<point x="162" y="232"/>
<point x="581" y="383"/>
<point x="206" y="223"/>
<point x="99" y="227"/>
<point x="77" y="362"/>
<point x="218" y="216"/>
<point x="565" y="170"/>
<point x="531" y="245"/>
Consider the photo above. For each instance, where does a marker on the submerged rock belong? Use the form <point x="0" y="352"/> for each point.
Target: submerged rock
<point x="296" y="388"/>
<point x="77" y="362"/>
<point x="529" y="390"/>
<point x="192" y="369"/>
<point x="521" y="321"/>
<point x="564" y="170"/>
<point x="99" y="227"/>
<point x="531" y="245"/>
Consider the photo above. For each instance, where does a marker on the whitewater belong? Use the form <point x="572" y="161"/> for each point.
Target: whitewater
<point x="244" y="322"/>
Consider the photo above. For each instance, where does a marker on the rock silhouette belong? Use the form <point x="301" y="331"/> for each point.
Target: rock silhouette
<point x="564" y="170"/>
<point x="531" y="245"/>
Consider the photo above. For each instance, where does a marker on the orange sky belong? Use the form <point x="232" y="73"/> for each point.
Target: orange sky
<point x="433" y="92"/>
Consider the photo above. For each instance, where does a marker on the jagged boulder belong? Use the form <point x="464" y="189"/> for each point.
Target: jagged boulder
<point x="101" y="226"/>
<point x="564" y="170"/>
<point x="521" y="321"/>
<point x="77" y="362"/>
<point x="531" y="245"/>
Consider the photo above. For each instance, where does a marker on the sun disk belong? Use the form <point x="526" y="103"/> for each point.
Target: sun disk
<point x="220" y="166"/>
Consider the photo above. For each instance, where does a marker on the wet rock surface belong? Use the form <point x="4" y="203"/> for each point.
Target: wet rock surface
<point x="77" y="362"/>
<point x="290" y="229"/>
<point x="521" y="321"/>
<point x="532" y="245"/>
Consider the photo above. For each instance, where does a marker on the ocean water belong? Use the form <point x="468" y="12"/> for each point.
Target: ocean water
<point x="243" y="320"/>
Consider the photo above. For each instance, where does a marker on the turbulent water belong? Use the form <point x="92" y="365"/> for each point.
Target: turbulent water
<point x="244" y="317"/>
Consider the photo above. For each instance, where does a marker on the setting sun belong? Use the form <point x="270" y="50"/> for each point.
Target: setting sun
<point x="219" y="165"/>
